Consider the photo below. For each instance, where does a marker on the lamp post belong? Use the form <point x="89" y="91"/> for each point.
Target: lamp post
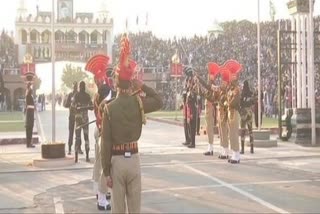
<point x="259" y="71"/>
<point x="53" y="75"/>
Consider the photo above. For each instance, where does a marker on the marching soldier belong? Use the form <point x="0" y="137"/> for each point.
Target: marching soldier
<point x="67" y="104"/>
<point x="82" y="103"/>
<point x="246" y="103"/>
<point x="233" y="115"/>
<point x="223" y="115"/>
<point x="121" y="130"/>
<point x="29" y="111"/>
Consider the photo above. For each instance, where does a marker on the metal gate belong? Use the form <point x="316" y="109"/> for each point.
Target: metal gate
<point x="287" y="68"/>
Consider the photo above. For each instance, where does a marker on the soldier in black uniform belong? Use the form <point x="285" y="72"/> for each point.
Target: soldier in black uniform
<point x="247" y="100"/>
<point x="192" y="115"/>
<point x="29" y="111"/>
<point x="82" y="103"/>
<point x="184" y="109"/>
<point x="72" y="112"/>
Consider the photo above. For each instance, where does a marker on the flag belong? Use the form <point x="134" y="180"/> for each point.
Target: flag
<point x="272" y="10"/>
<point x="126" y="23"/>
<point x="147" y="19"/>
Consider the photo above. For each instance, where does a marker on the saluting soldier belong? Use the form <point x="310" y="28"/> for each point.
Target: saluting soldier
<point x="233" y="114"/>
<point x="213" y="70"/>
<point x="191" y="114"/>
<point x="184" y="109"/>
<point x="223" y="114"/>
<point x="121" y="130"/>
<point x="246" y="102"/>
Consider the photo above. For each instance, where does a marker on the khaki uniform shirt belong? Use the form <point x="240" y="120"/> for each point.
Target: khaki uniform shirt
<point x="122" y="122"/>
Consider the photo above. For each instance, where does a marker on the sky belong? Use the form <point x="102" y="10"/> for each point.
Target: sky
<point x="166" y="18"/>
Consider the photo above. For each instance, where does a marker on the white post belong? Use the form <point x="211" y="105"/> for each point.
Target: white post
<point x="311" y="67"/>
<point x="259" y="72"/>
<point x="293" y="68"/>
<point x="53" y="75"/>
<point x="304" y="63"/>
<point x="298" y="61"/>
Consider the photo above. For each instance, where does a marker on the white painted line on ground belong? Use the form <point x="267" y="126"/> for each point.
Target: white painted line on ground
<point x="42" y="136"/>
<point x="58" y="205"/>
<point x="240" y="191"/>
<point x="209" y="186"/>
<point x="12" y="121"/>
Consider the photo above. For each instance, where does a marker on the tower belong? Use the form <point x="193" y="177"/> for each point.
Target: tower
<point x="22" y="10"/>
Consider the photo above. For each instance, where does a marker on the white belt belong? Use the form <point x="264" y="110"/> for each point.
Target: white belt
<point x="30" y="107"/>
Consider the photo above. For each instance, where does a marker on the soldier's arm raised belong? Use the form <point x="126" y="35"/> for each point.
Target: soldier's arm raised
<point x="106" y="145"/>
<point x="152" y="101"/>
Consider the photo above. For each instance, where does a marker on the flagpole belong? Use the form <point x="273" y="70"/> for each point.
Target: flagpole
<point x="53" y="75"/>
<point x="311" y="73"/>
<point x="259" y="71"/>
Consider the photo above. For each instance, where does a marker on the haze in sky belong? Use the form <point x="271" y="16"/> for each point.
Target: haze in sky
<point x="165" y="18"/>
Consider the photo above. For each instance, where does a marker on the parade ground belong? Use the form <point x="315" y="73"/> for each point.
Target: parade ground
<point x="175" y="179"/>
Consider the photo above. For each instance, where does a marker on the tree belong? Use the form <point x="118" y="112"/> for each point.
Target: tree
<point x="71" y="74"/>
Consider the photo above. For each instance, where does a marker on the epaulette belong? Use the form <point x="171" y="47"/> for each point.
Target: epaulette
<point x="143" y="117"/>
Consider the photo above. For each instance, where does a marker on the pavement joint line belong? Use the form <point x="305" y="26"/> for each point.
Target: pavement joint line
<point x="238" y="190"/>
<point x="58" y="206"/>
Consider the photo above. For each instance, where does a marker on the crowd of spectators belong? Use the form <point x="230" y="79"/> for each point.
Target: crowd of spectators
<point x="238" y="41"/>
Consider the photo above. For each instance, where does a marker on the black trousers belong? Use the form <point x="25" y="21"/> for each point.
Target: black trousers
<point x="71" y="131"/>
<point x="29" y="130"/>
<point x="198" y="124"/>
<point x="186" y="131"/>
<point x="192" y="131"/>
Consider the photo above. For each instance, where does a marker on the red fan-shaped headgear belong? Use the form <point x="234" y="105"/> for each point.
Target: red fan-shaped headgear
<point x="98" y="65"/>
<point x="225" y="74"/>
<point x="234" y="67"/>
<point x="213" y="69"/>
<point x="126" y="67"/>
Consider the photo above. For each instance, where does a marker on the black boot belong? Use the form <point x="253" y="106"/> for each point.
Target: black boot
<point x="87" y="154"/>
<point x="251" y="145"/>
<point x="69" y="151"/>
<point x="242" y="147"/>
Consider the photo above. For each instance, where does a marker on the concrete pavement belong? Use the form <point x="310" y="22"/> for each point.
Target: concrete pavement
<point x="174" y="178"/>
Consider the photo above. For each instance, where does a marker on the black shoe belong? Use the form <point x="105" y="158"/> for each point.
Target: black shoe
<point x="242" y="152"/>
<point x="186" y="143"/>
<point x="223" y="157"/>
<point x="108" y="207"/>
<point x="191" y="146"/>
<point x="234" y="161"/>
<point x="31" y="146"/>
<point x="108" y="196"/>
<point x="80" y="152"/>
<point x="87" y="159"/>
<point x="207" y="153"/>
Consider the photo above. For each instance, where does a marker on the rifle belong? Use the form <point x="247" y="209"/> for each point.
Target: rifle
<point x="93" y="121"/>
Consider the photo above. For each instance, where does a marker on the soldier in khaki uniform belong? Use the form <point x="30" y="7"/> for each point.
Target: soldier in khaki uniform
<point x="233" y="115"/>
<point x="121" y="130"/>
<point x="223" y="114"/>
<point x="213" y="71"/>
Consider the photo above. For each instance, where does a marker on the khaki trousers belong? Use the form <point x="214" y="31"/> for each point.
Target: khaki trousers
<point x="234" y="131"/>
<point x="97" y="168"/>
<point x="209" y="122"/>
<point x="126" y="178"/>
<point x="223" y="131"/>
